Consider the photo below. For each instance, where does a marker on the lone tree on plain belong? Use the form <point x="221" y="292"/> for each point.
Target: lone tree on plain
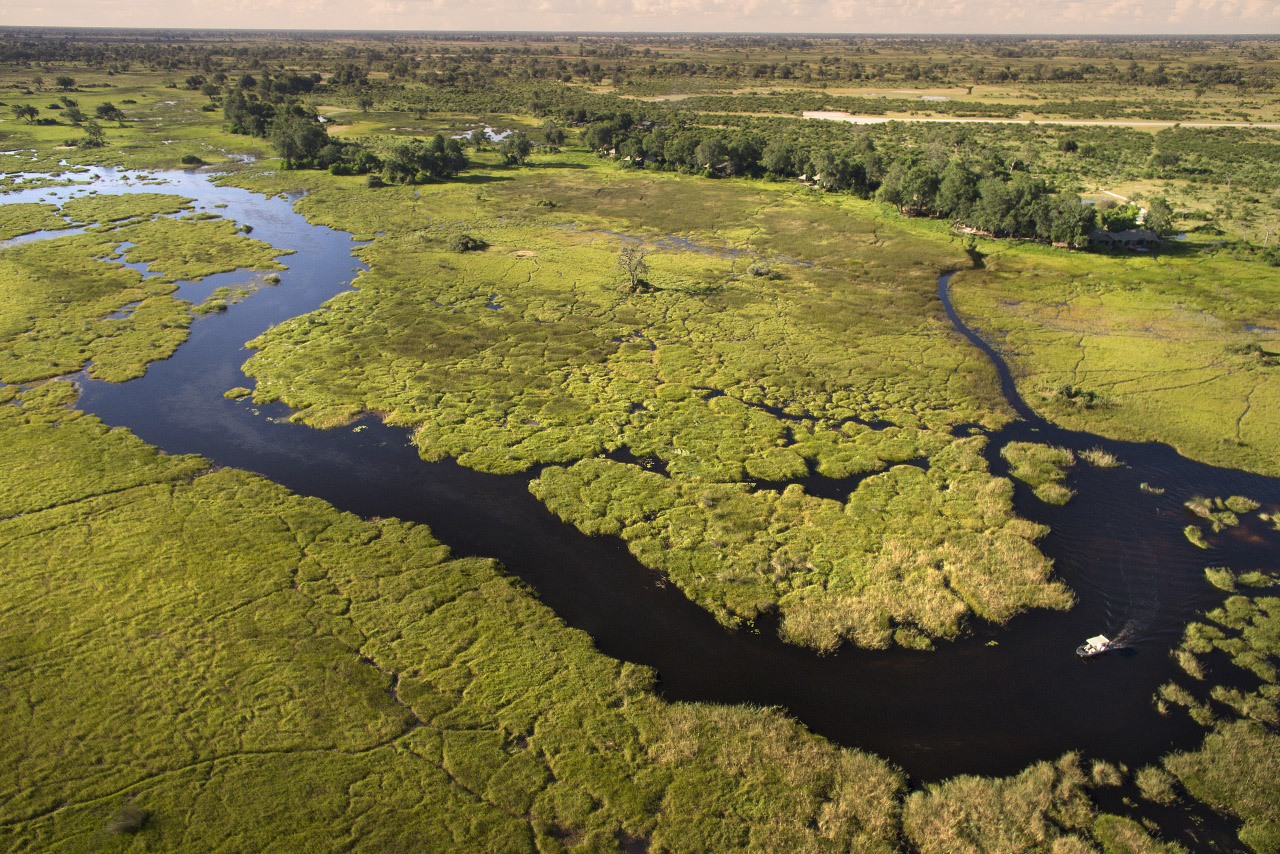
<point x="94" y="135"/>
<point x="515" y="149"/>
<point x="26" y="112"/>
<point x="109" y="112"/>
<point x="64" y="83"/>
<point x="631" y="262"/>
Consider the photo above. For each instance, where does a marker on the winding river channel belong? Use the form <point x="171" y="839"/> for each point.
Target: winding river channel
<point x="989" y="704"/>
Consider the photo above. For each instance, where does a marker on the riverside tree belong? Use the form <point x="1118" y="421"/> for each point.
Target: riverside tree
<point x="515" y="149"/>
<point x="297" y="138"/>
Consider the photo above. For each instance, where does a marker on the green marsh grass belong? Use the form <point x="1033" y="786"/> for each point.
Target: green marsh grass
<point x="1145" y="334"/>
<point x="61" y="302"/>
<point x="26" y="217"/>
<point x="258" y="677"/>
<point x="293" y="682"/>
<point x="1042" y="467"/>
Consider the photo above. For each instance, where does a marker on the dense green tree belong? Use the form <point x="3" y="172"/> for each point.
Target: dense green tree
<point x="779" y="158"/>
<point x="1119" y="217"/>
<point x="515" y="148"/>
<point x="1071" y="220"/>
<point x="94" y="135"/>
<point x="109" y="112"/>
<point x="710" y="153"/>
<point x="297" y="137"/>
<point x="64" y="82"/>
<point x="957" y="191"/>
<point x="552" y="133"/>
<point x="25" y="112"/>
<point x="744" y="156"/>
<point x="1159" y="216"/>
<point x="417" y="162"/>
<point x="247" y="114"/>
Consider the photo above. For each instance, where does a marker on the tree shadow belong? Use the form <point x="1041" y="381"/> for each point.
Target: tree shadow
<point x="706" y="289"/>
<point x="481" y="179"/>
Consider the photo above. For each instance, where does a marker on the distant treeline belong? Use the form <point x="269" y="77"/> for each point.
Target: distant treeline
<point x="638" y="61"/>
<point x="986" y="194"/>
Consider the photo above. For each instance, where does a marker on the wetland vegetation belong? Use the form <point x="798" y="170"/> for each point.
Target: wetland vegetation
<point x="783" y="424"/>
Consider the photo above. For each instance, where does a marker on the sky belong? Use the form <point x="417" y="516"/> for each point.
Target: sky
<point x="1109" y="17"/>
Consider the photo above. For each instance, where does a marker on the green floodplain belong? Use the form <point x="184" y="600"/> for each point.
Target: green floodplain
<point x="193" y="658"/>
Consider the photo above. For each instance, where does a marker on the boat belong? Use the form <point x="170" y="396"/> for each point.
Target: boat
<point x="1096" y="645"/>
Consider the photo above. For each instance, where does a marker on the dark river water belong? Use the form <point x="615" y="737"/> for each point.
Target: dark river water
<point x="989" y="704"/>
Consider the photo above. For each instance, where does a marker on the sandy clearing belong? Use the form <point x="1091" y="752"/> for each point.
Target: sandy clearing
<point x="878" y="120"/>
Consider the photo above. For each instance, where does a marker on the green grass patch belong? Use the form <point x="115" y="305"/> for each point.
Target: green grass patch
<point x="1042" y="467"/>
<point x="26" y="217"/>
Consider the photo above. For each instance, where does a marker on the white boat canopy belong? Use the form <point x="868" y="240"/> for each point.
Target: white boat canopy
<point x="1099" y="641"/>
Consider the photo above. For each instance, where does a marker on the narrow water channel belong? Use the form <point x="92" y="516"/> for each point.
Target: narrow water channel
<point x="989" y="704"/>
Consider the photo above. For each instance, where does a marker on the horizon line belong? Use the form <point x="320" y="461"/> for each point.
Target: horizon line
<point x="644" y="33"/>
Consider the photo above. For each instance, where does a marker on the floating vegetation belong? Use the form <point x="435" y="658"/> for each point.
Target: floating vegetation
<point x="237" y="393"/>
<point x="28" y="217"/>
<point x="1195" y="536"/>
<point x="910" y="549"/>
<point x="1221" y="578"/>
<point x="1214" y="511"/>
<point x="1151" y="490"/>
<point x="1100" y="458"/>
<point x="1041" y="467"/>
<point x="467" y="243"/>
<point x="1240" y="504"/>
<point x="1237" y="769"/>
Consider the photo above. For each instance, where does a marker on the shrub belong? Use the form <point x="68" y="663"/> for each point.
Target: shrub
<point x="763" y="271"/>
<point x="467" y="243"/>
<point x="1157" y="785"/>
<point x="128" y="819"/>
<point x="1100" y="458"/>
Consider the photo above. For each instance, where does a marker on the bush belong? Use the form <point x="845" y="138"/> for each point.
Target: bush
<point x="763" y="271"/>
<point x="191" y="160"/>
<point x="1157" y="785"/>
<point x="374" y="181"/>
<point x="128" y="819"/>
<point x="467" y="243"/>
